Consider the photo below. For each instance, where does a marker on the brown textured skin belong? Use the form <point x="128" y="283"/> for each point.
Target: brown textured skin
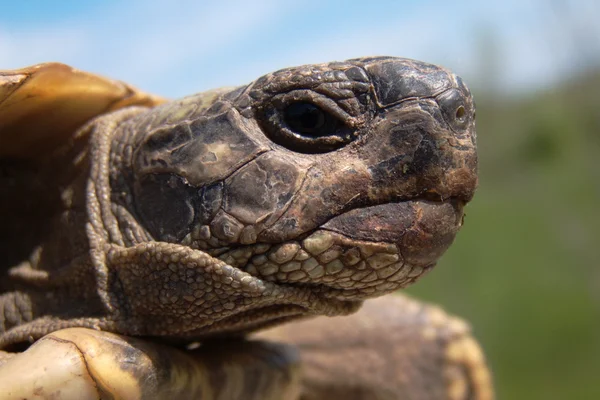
<point x="393" y="348"/>
<point x="210" y="215"/>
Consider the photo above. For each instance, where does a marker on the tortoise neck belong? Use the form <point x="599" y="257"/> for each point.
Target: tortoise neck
<point x="110" y="190"/>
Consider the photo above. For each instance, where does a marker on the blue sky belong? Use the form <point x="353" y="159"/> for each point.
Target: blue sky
<point x="180" y="47"/>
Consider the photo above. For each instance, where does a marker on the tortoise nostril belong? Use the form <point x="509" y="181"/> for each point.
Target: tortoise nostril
<point x="461" y="113"/>
<point x="455" y="107"/>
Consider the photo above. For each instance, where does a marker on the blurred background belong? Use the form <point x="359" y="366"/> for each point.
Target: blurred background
<point x="525" y="270"/>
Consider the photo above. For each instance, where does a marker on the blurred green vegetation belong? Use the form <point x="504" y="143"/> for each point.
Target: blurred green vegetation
<point x="525" y="269"/>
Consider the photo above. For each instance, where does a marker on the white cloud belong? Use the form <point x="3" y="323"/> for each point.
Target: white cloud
<point x="31" y="47"/>
<point x="175" y="48"/>
<point x="415" y="35"/>
<point x="141" y="42"/>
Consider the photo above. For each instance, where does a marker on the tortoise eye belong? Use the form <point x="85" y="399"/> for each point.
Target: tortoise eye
<point x="306" y="122"/>
<point x="308" y="119"/>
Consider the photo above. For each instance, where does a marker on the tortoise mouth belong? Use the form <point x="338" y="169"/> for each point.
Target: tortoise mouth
<point x="362" y="253"/>
<point x="365" y="252"/>
<point x="422" y="230"/>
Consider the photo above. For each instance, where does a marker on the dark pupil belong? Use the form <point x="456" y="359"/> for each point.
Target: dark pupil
<point x="306" y="118"/>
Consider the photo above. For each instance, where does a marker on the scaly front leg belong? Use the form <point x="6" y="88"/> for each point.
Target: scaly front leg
<point x="82" y="364"/>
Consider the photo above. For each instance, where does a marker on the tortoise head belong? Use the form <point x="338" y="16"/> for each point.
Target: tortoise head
<point x="347" y="179"/>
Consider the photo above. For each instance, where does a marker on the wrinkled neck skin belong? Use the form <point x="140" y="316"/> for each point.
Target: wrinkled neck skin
<point x="46" y="270"/>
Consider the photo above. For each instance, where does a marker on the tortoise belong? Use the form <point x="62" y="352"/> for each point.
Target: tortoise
<point x="144" y="241"/>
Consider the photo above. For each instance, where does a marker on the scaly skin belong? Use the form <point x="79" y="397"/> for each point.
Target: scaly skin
<point x="211" y="215"/>
<point x="393" y="348"/>
<point x="226" y="212"/>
